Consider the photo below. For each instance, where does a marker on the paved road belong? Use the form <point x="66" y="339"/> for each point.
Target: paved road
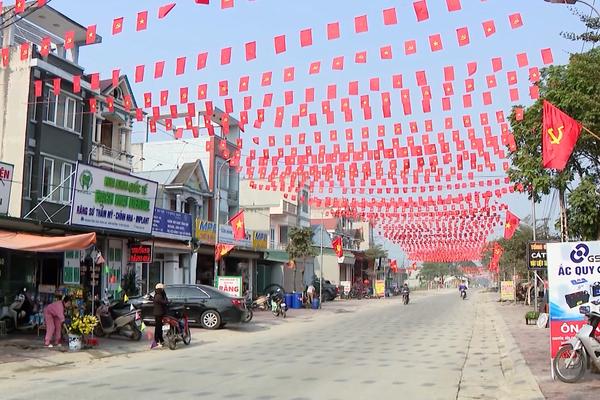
<point x="360" y="350"/>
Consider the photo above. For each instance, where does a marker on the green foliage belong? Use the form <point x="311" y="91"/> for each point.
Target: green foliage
<point x="300" y="244"/>
<point x="375" y="252"/>
<point x="514" y="257"/>
<point x="430" y="271"/>
<point x="575" y="89"/>
<point x="592" y="33"/>
<point x="584" y="211"/>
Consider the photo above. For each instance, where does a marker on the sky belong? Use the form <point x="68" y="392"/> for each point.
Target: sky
<point x="190" y="29"/>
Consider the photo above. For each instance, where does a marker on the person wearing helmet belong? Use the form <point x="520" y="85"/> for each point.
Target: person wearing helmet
<point x="160" y="301"/>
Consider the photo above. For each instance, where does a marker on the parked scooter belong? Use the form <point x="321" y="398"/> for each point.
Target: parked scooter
<point x="110" y="322"/>
<point x="17" y="314"/>
<point x="574" y="356"/>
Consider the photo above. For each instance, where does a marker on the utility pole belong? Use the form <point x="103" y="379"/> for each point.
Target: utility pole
<point x="218" y="215"/>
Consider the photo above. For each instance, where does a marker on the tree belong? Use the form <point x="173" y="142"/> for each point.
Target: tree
<point x="300" y="246"/>
<point x="431" y="271"/>
<point x="575" y="89"/>
<point x="583" y="215"/>
<point x="592" y="33"/>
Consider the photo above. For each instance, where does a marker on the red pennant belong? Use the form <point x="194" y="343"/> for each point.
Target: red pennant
<point x="280" y="46"/>
<point x="410" y="47"/>
<point x="547" y="57"/>
<point x="462" y="35"/>
<point x="516" y="21"/>
<point x="435" y="42"/>
<point x="225" y="55"/>
<point x="421" y="10"/>
<point x="90" y="36"/>
<point x="489" y="28"/>
<point x="390" y="17"/>
<point x="361" y="24"/>
<point x="333" y="30"/>
<point x="142" y="21"/>
<point x="306" y="37"/>
<point x="117" y="26"/>
<point x="453" y="5"/>
<point x="163" y="11"/>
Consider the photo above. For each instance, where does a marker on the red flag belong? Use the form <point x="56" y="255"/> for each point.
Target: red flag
<point x="453" y="5"/>
<point x="435" y="41"/>
<point x="361" y="24"/>
<point x="462" y="34"/>
<point x="117" y="26"/>
<point x="522" y="60"/>
<point x="69" y="39"/>
<point x="139" y="73"/>
<point x="390" y="17"/>
<point x="24" y="51"/>
<point x="142" y="21"/>
<point x="547" y="57"/>
<point x="45" y="50"/>
<point x="180" y="66"/>
<point x="163" y="11"/>
<point x="221" y="250"/>
<point x="90" y="37"/>
<point x="410" y="47"/>
<point x="225" y="55"/>
<point x="201" y="62"/>
<point x="226" y="4"/>
<point x="38" y="88"/>
<point x="250" y="51"/>
<point x="515" y="20"/>
<point x="280" y="46"/>
<point x="237" y="224"/>
<point x="333" y="30"/>
<point x="338" y="246"/>
<point x="559" y="137"/>
<point x="421" y="10"/>
<point x="306" y="37"/>
<point x="489" y="28"/>
<point x="511" y="224"/>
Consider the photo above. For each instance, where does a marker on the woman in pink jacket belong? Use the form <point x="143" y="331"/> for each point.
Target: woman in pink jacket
<point x="54" y="316"/>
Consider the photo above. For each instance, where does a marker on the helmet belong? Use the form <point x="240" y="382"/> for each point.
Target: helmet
<point x="159" y="286"/>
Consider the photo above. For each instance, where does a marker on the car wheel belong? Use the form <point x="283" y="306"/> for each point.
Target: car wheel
<point x="210" y="319"/>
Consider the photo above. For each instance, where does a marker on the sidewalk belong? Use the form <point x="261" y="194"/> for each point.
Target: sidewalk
<point x="534" y="344"/>
<point x="494" y="368"/>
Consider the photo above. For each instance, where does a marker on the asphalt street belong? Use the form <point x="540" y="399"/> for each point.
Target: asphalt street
<point x="357" y="350"/>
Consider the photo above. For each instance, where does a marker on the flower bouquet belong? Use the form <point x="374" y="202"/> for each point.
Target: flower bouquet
<point x="83" y="325"/>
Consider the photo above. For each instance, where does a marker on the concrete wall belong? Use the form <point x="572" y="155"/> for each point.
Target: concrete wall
<point x="331" y="270"/>
<point x="14" y="94"/>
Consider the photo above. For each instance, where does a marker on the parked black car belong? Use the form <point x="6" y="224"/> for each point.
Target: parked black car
<point x="330" y="291"/>
<point x="204" y="305"/>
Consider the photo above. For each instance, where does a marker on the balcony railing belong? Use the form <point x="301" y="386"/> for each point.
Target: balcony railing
<point x="106" y="155"/>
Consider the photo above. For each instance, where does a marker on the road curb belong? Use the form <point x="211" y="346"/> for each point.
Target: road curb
<point x="521" y="382"/>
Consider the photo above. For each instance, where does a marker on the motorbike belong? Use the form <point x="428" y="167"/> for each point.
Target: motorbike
<point x="16" y="316"/>
<point x="405" y="297"/>
<point x="278" y="306"/>
<point x="176" y="328"/>
<point x="575" y="355"/>
<point x="119" y="321"/>
<point x="248" y="313"/>
<point x="463" y="294"/>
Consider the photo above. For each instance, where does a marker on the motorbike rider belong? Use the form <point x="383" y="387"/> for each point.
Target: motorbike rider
<point x="462" y="287"/>
<point x="160" y="310"/>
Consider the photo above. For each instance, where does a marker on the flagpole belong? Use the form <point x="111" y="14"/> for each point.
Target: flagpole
<point x="590" y="132"/>
<point x="217" y="217"/>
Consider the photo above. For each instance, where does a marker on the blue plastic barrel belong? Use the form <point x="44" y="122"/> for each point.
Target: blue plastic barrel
<point x="297" y="300"/>
<point x="315" y="304"/>
<point x="289" y="299"/>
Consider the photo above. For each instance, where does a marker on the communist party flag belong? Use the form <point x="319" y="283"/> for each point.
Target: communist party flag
<point x="221" y="250"/>
<point x="237" y="224"/>
<point x="559" y="137"/>
<point x="496" y="255"/>
<point x="338" y="246"/>
<point x="511" y="224"/>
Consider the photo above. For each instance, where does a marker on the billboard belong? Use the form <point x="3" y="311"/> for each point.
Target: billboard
<point x="109" y="200"/>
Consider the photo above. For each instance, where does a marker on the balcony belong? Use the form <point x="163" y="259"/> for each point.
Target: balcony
<point x="116" y="160"/>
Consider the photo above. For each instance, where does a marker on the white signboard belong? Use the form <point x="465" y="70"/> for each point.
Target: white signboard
<point x="573" y="281"/>
<point x="347" y="285"/>
<point x="226" y="237"/>
<point x="105" y="199"/>
<point x="231" y="285"/>
<point x="6" y="178"/>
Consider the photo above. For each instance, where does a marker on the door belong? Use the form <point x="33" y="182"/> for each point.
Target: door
<point x="196" y="302"/>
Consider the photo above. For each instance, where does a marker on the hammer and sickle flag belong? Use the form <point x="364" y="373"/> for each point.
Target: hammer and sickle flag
<point x="558" y="138"/>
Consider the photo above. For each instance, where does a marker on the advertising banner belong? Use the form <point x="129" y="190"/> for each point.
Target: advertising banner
<point x="6" y="178"/>
<point x="347" y="285"/>
<point x="260" y="240"/>
<point x="507" y="290"/>
<point x="172" y="224"/>
<point x="536" y="256"/>
<point x="380" y="287"/>
<point x="231" y="285"/>
<point x="206" y="231"/>
<point x="573" y="281"/>
<point x="105" y="199"/>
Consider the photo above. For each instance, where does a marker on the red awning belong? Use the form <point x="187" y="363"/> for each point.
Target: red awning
<point x="33" y="242"/>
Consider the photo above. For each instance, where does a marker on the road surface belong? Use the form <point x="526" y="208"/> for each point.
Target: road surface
<point x="377" y="349"/>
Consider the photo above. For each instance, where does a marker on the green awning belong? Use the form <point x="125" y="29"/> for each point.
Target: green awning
<point x="277" y="255"/>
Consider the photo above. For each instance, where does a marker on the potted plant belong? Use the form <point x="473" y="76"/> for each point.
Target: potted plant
<point x="531" y="316"/>
<point x="80" y="326"/>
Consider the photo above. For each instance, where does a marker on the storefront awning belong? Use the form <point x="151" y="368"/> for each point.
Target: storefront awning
<point x="49" y="244"/>
<point x="277" y="255"/>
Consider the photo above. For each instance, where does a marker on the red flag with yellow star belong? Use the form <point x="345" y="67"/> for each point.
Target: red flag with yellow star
<point x="511" y="224"/>
<point x="338" y="246"/>
<point x="559" y="137"/>
<point x="237" y="224"/>
<point x="221" y="250"/>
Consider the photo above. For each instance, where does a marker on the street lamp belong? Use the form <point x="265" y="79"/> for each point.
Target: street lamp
<point x="218" y="215"/>
<point x="573" y="2"/>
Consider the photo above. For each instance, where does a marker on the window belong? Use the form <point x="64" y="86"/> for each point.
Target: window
<point x="63" y="111"/>
<point x="283" y="234"/>
<point x="272" y="238"/>
<point x="29" y="175"/>
<point x="66" y="180"/>
<point x="304" y="201"/>
<point x="193" y="293"/>
<point x="47" y="175"/>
